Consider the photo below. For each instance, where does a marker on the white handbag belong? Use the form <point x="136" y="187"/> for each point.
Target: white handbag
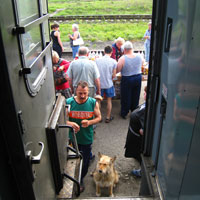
<point x="78" y="41"/>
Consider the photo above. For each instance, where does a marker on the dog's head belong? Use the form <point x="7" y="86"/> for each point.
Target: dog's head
<point x="105" y="164"/>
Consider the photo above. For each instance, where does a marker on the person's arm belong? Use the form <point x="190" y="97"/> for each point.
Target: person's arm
<point x="120" y="64"/>
<point x="74" y="125"/>
<point x="85" y="123"/>
<point x="75" y="35"/>
<point x="114" y="73"/>
<point x="96" y="76"/>
<point x="57" y="34"/>
<point x="97" y="83"/>
<point x="70" y="84"/>
<point x="114" y="70"/>
<point x="70" y="77"/>
<point x="146" y="35"/>
<point x="66" y="66"/>
<point x="113" y="55"/>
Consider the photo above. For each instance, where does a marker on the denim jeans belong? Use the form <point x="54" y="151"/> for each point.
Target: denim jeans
<point x="75" y="51"/>
<point x="147" y="51"/>
<point x="85" y="150"/>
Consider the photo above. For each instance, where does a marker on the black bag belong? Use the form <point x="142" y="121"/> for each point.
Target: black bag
<point x="60" y="77"/>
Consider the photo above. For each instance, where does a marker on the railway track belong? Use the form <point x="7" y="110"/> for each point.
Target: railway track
<point x="99" y="17"/>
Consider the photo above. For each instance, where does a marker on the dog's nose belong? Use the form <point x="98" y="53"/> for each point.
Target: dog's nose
<point x="100" y="171"/>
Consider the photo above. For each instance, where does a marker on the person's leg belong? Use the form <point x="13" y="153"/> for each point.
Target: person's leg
<point x="109" y="107"/>
<point x="147" y="51"/>
<point x="135" y="91"/>
<point x="110" y="92"/>
<point x="85" y="150"/>
<point x="125" y="96"/>
<point x="75" y="51"/>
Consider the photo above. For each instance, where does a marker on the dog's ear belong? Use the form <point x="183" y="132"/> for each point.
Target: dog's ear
<point x="99" y="154"/>
<point x="113" y="159"/>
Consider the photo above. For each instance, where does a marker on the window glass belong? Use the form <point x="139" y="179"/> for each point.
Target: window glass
<point x="32" y="45"/>
<point x="44" y="7"/>
<point x="35" y="71"/>
<point x="46" y="31"/>
<point x="27" y="10"/>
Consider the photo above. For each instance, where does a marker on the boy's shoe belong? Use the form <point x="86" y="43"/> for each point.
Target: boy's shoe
<point x="136" y="172"/>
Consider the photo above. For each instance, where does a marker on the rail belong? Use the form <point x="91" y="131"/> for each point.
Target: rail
<point x="100" y="17"/>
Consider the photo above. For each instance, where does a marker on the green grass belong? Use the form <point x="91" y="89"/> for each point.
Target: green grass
<point x="103" y="31"/>
<point x="97" y="7"/>
<point x="106" y="31"/>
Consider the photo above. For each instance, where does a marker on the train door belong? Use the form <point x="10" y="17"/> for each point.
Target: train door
<point x="27" y="99"/>
<point x="174" y="98"/>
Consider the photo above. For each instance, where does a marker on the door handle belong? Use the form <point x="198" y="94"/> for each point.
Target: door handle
<point x="36" y="159"/>
<point x="33" y="159"/>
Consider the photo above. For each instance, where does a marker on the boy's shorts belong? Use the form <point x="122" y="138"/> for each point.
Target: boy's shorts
<point x="110" y="92"/>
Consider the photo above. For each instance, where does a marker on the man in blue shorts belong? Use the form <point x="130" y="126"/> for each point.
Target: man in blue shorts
<point x="107" y="69"/>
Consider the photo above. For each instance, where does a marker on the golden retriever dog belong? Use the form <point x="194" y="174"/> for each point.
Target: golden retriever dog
<point x="105" y="174"/>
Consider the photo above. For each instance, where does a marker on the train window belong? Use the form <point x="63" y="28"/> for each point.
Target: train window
<point x="27" y="12"/>
<point x="32" y="45"/>
<point x="46" y="32"/>
<point x="33" y="30"/>
<point x="44" y="7"/>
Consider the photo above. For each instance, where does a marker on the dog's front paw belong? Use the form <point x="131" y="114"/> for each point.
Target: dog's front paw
<point x="98" y="194"/>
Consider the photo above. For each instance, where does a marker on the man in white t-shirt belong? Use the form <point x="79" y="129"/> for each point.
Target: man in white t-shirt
<point x="107" y="69"/>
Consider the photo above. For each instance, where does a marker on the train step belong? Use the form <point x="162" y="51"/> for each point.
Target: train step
<point x="72" y="167"/>
<point x="117" y="198"/>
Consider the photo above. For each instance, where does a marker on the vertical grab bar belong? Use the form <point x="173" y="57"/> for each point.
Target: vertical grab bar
<point x="78" y="155"/>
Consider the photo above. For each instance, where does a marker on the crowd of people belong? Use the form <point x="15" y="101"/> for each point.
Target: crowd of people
<point x="82" y="80"/>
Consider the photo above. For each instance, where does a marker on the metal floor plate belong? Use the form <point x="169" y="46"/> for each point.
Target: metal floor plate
<point x="68" y="186"/>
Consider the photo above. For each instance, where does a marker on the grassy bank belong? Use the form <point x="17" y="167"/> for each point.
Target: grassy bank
<point x="106" y="31"/>
<point x="100" y="7"/>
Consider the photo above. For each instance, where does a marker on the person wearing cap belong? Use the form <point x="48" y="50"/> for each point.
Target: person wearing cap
<point x="130" y="67"/>
<point x="147" y="36"/>
<point x="117" y="50"/>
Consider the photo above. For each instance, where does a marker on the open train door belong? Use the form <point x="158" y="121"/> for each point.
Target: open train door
<point x="172" y="131"/>
<point x="27" y="100"/>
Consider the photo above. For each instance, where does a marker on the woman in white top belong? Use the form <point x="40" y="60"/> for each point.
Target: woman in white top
<point x="72" y="37"/>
